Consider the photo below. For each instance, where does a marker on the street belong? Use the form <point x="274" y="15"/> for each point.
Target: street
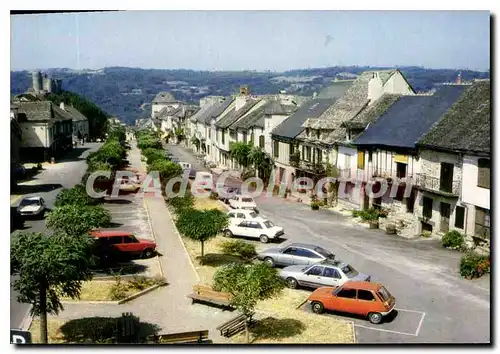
<point x="434" y="304"/>
<point x="64" y="174"/>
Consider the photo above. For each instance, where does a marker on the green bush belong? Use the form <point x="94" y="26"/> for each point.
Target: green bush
<point x="315" y="205"/>
<point x="119" y="290"/>
<point x="214" y="195"/>
<point x="238" y="247"/>
<point x="474" y="266"/>
<point x="181" y="204"/>
<point x="371" y="214"/>
<point x="152" y="154"/>
<point x="140" y="282"/>
<point x="453" y="239"/>
<point x="74" y="196"/>
<point x="426" y="234"/>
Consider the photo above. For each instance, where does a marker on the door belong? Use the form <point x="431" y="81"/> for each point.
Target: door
<point x="366" y="302"/>
<point x="345" y="301"/>
<point x="281" y="173"/>
<point x="286" y="257"/>
<point x="255" y="229"/>
<point x="446" y="179"/>
<point x="240" y="229"/>
<point x="131" y="244"/>
<point x="445" y="217"/>
<point x="311" y="277"/>
<point x="116" y="243"/>
<point x="331" y="277"/>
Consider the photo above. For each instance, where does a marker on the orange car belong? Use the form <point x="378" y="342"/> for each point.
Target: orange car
<point x="355" y="297"/>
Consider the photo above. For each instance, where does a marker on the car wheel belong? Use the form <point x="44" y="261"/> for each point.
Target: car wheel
<point x="269" y="261"/>
<point x="147" y="253"/>
<point x="292" y="283"/>
<point x="228" y="234"/>
<point x="317" y="307"/>
<point x="42" y="214"/>
<point x="375" y="317"/>
<point x="264" y="239"/>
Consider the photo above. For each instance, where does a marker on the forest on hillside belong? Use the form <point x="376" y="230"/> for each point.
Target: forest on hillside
<point x="126" y="92"/>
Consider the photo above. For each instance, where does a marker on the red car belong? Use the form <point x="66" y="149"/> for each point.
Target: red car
<point x="123" y="242"/>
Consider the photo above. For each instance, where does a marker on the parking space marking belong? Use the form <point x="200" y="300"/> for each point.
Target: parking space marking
<point x="385" y="330"/>
<point x="397" y="332"/>
<point x="420" y="324"/>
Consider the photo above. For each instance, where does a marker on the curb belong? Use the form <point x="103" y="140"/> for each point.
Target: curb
<point x="27" y="320"/>
<point x="110" y="302"/>
<point x="183" y="245"/>
<point x="153" y="233"/>
<point x="135" y="296"/>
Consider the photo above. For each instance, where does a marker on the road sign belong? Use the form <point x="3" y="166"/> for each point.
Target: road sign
<point x="20" y="337"/>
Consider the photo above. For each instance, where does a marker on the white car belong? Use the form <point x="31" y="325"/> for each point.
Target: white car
<point x="242" y="202"/>
<point x="32" y="206"/>
<point x="238" y="215"/>
<point x="264" y="230"/>
<point x="203" y="180"/>
<point x="185" y="166"/>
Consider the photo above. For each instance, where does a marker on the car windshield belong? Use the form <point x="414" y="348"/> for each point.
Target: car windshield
<point x="384" y="294"/>
<point x="27" y="202"/>
<point x="268" y="224"/>
<point x="253" y="214"/>
<point x="349" y="271"/>
<point x="324" y="253"/>
<point x="247" y="200"/>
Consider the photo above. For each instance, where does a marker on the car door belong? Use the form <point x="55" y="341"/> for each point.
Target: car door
<point x="255" y="229"/>
<point x="311" y="277"/>
<point x="367" y="302"/>
<point x="116" y="243"/>
<point x="240" y="228"/>
<point x="131" y="244"/>
<point x="344" y="300"/>
<point x="233" y="220"/>
<point x="331" y="277"/>
<point x="286" y="257"/>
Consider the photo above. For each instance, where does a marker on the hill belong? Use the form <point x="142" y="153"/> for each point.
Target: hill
<point x="126" y="92"/>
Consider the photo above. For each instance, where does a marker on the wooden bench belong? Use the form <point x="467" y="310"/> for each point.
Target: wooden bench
<point x="204" y="293"/>
<point x="235" y="325"/>
<point x="178" y="338"/>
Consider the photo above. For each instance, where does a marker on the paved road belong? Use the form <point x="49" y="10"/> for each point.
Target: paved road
<point x="435" y="304"/>
<point x="65" y="173"/>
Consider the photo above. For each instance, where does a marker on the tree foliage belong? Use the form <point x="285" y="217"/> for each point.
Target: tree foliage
<point x="240" y="151"/>
<point x="48" y="268"/>
<point x="166" y="169"/>
<point x="152" y="154"/>
<point x="261" y="161"/>
<point x="76" y="195"/>
<point x="76" y="220"/>
<point x="201" y="225"/>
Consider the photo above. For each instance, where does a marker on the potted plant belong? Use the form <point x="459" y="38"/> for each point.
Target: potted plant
<point x="390" y="229"/>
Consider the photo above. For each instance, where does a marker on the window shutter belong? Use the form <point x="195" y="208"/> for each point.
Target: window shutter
<point x="361" y="160"/>
<point x="459" y="217"/>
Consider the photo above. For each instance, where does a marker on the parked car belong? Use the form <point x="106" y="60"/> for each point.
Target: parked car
<point x="242" y="202"/>
<point x="185" y="165"/>
<point x="32" y="207"/>
<point x="295" y="254"/>
<point x="227" y="192"/>
<point x="326" y="273"/>
<point x="129" y="186"/>
<point x="264" y="230"/>
<point x="203" y="180"/>
<point x="238" y="215"/>
<point x="112" y="243"/>
<point x="372" y="300"/>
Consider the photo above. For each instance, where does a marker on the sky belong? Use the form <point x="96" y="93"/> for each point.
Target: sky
<point x="251" y="40"/>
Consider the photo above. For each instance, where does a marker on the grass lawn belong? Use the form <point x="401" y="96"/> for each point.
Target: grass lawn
<point x="98" y="290"/>
<point x="207" y="204"/>
<point x="53" y="329"/>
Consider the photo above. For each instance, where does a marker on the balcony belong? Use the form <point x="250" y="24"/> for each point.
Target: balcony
<point x="345" y="173"/>
<point x="449" y="188"/>
<point x="390" y="174"/>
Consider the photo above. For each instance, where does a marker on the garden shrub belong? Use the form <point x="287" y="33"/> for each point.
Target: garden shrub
<point x="474" y="265"/>
<point x="238" y="247"/>
<point x="74" y="196"/>
<point x="183" y="203"/>
<point x="119" y="290"/>
<point x="214" y="195"/>
<point x="315" y="205"/>
<point x="453" y="239"/>
<point x="426" y="234"/>
<point x="140" y="282"/>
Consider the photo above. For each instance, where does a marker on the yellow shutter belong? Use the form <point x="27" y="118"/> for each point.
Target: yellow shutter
<point x="401" y="158"/>
<point x="361" y="160"/>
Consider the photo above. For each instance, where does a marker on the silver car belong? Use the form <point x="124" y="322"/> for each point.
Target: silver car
<point x="295" y="253"/>
<point x="326" y="273"/>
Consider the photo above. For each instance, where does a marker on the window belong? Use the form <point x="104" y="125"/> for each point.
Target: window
<point x="331" y="273"/>
<point x="324" y="253"/>
<point x="308" y="153"/>
<point x="361" y="160"/>
<point x="459" y="217"/>
<point x="251" y="139"/>
<point x="308" y="132"/>
<point x="349" y="271"/>
<point x="290" y="250"/>
<point x="303" y="152"/>
<point x="401" y="170"/>
<point x="114" y="240"/>
<point x="319" y="155"/>
<point x="305" y="253"/>
<point x="482" y="223"/>
<point x="261" y="141"/>
<point x="247" y="200"/>
<point x="291" y="148"/>
<point x="253" y="214"/>
<point x="276" y="148"/>
<point x="365" y="295"/>
<point x="318" y="134"/>
<point x="446" y="177"/>
<point x="223" y="136"/>
<point x="244" y="224"/>
<point x="347" y="293"/>
<point x="316" y="270"/>
<point x="268" y="224"/>
<point x="384" y="294"/>
<point x="255" y="225"/>
<point x="245" y="138"/>
<point x="240" y="216"/>
<point x="427" y="211"/>
<point x="129" y="239"/>
<point x="230" y="215"/>
<point x="209" y="131"/>
<point x="483" y="173"/>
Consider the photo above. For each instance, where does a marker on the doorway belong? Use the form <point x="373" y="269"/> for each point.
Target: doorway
<point x="445" y="217"/>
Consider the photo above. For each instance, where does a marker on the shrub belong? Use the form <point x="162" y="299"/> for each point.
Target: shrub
<point x="238" y="247"/>
<point x="314" y="205"/>
<point x="474" y="266"/>
<point x="426" y="234"/>
<point x="74" y="196"/>
<point x="214" y="195"/>
<point x="39" y="166"/>
<point x="453" y="239"/>
<point x="355" y="213"/>
<point x="119" y="290"/>
<point x="391" y="229"/>
<point x="159" y="280"/>
<point x="181" y="204"/>
<point x="140" y="282"/>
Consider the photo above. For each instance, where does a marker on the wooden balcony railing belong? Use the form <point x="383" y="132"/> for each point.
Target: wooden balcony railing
<point x="450" y="187"/>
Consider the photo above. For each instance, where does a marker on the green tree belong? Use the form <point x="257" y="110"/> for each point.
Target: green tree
<point x="332" y="187"/>
<point x="48" y="268"/>
<point x="179" y="133"/>
<point x="166" y="170"/>
<point x="261" y="161"/>
<point x="152" y="154"/>
<point x="76" y="220"/>
<point x="248" y="284"/>
<point x="201" y="225"/>
<point x="74" y="196"/>
<point x="240" y="151"/>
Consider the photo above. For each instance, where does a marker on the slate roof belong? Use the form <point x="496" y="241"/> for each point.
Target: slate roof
<point x="408" y="119"/>
<point x="372" y="112"/>
<point x="336" y="90"/>
<point x="218" y="109"/>
<point x="251" y="119"/>
<point x="164" y="97"/>
<point x="233" y="115"/>
<point x="276" y="107"/>
<point x="77" y="116"/>
<point x="41" y="111"/>
<point x="292" y="126"/>
<point x="466" y="126"/>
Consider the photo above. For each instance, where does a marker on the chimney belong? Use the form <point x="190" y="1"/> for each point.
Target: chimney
<point x="62" y="106"/>
<point x="244" y="91"/>
<point x="459" y="79"/>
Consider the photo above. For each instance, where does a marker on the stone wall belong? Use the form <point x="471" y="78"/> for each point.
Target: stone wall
<point x="430" y="164"/>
